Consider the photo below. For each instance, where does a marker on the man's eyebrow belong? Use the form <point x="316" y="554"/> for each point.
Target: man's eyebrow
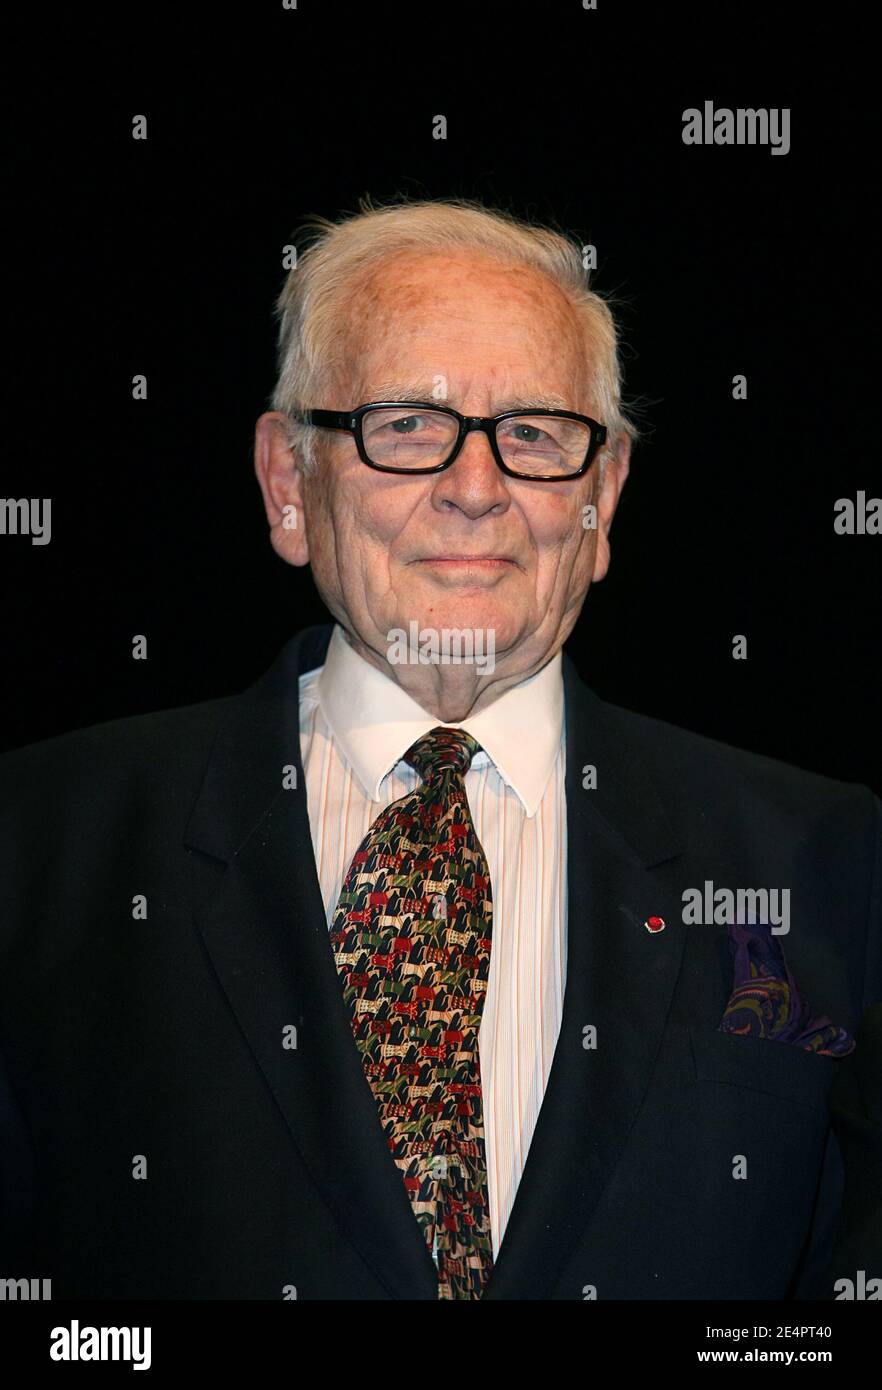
<point x="542" y="400"/>
<point x="424" y="391"/>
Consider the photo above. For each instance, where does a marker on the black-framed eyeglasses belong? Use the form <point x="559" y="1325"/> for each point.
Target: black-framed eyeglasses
<point x="540" y="445"/>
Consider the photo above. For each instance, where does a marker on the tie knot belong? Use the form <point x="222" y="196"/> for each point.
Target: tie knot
<point x="442" y="750"/>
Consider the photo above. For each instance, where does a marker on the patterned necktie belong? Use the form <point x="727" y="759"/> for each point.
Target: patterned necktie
<point x="411" y="936"/>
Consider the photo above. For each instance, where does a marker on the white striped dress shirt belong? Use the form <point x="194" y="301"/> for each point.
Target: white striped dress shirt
<point x="355" y="725"/>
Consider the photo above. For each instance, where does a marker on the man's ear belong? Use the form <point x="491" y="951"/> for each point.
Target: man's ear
<point x="280" y="476"/>
<point x="610" y="490"/>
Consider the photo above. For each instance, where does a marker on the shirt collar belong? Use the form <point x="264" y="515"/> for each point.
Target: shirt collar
<point x="374" y="722"/>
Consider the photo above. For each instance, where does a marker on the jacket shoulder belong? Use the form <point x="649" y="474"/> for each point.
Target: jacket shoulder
<point x="692" y="765"/>
<point x="176" y="741"/>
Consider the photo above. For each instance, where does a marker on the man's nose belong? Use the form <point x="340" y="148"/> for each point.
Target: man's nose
<point x="473" y="482"/>
<point x="475" y="464"/>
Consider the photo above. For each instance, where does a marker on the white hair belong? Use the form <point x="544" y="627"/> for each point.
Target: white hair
<point x="311" y="305"/>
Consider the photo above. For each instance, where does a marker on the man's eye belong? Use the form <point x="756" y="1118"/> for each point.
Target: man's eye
<point x="527" y="434"/>
<point x="397" y="425"/>
<point x="520" y="432"/>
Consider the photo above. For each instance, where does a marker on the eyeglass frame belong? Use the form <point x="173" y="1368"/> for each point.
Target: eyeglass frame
<point x="351" y="421"/>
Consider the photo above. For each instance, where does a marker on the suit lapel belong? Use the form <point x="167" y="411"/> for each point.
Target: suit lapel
<point x="266" y="935"/>
<point x="620" y="979"/>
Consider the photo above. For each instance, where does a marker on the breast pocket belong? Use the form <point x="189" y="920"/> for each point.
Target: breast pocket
<point x="763" y="1064"/>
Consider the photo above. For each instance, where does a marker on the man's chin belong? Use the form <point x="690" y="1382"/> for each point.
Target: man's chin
<point x="477" y="627"/>
<point x="467" y="596"/>
<point x="466" y="611"/>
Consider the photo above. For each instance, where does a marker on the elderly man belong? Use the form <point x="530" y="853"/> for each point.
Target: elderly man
<point x="418" y="971"/>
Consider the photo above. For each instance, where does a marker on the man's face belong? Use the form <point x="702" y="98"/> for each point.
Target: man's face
<point x="468" y="547"/>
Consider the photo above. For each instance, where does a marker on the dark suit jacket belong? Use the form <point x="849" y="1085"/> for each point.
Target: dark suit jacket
<point x="266" y="1166"/>
<point x="856" y="1111"/>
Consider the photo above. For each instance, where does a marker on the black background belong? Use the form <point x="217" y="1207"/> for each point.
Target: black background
<point x="165" y="257"/>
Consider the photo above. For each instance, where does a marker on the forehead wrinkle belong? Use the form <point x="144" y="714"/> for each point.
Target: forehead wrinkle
<point x="420" y="390"/>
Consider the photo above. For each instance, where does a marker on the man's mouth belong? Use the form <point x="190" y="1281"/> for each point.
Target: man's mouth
<point x="490" y="560"/>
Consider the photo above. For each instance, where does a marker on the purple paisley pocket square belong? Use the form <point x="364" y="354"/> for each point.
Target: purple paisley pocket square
<point x="765" y="1002"/>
